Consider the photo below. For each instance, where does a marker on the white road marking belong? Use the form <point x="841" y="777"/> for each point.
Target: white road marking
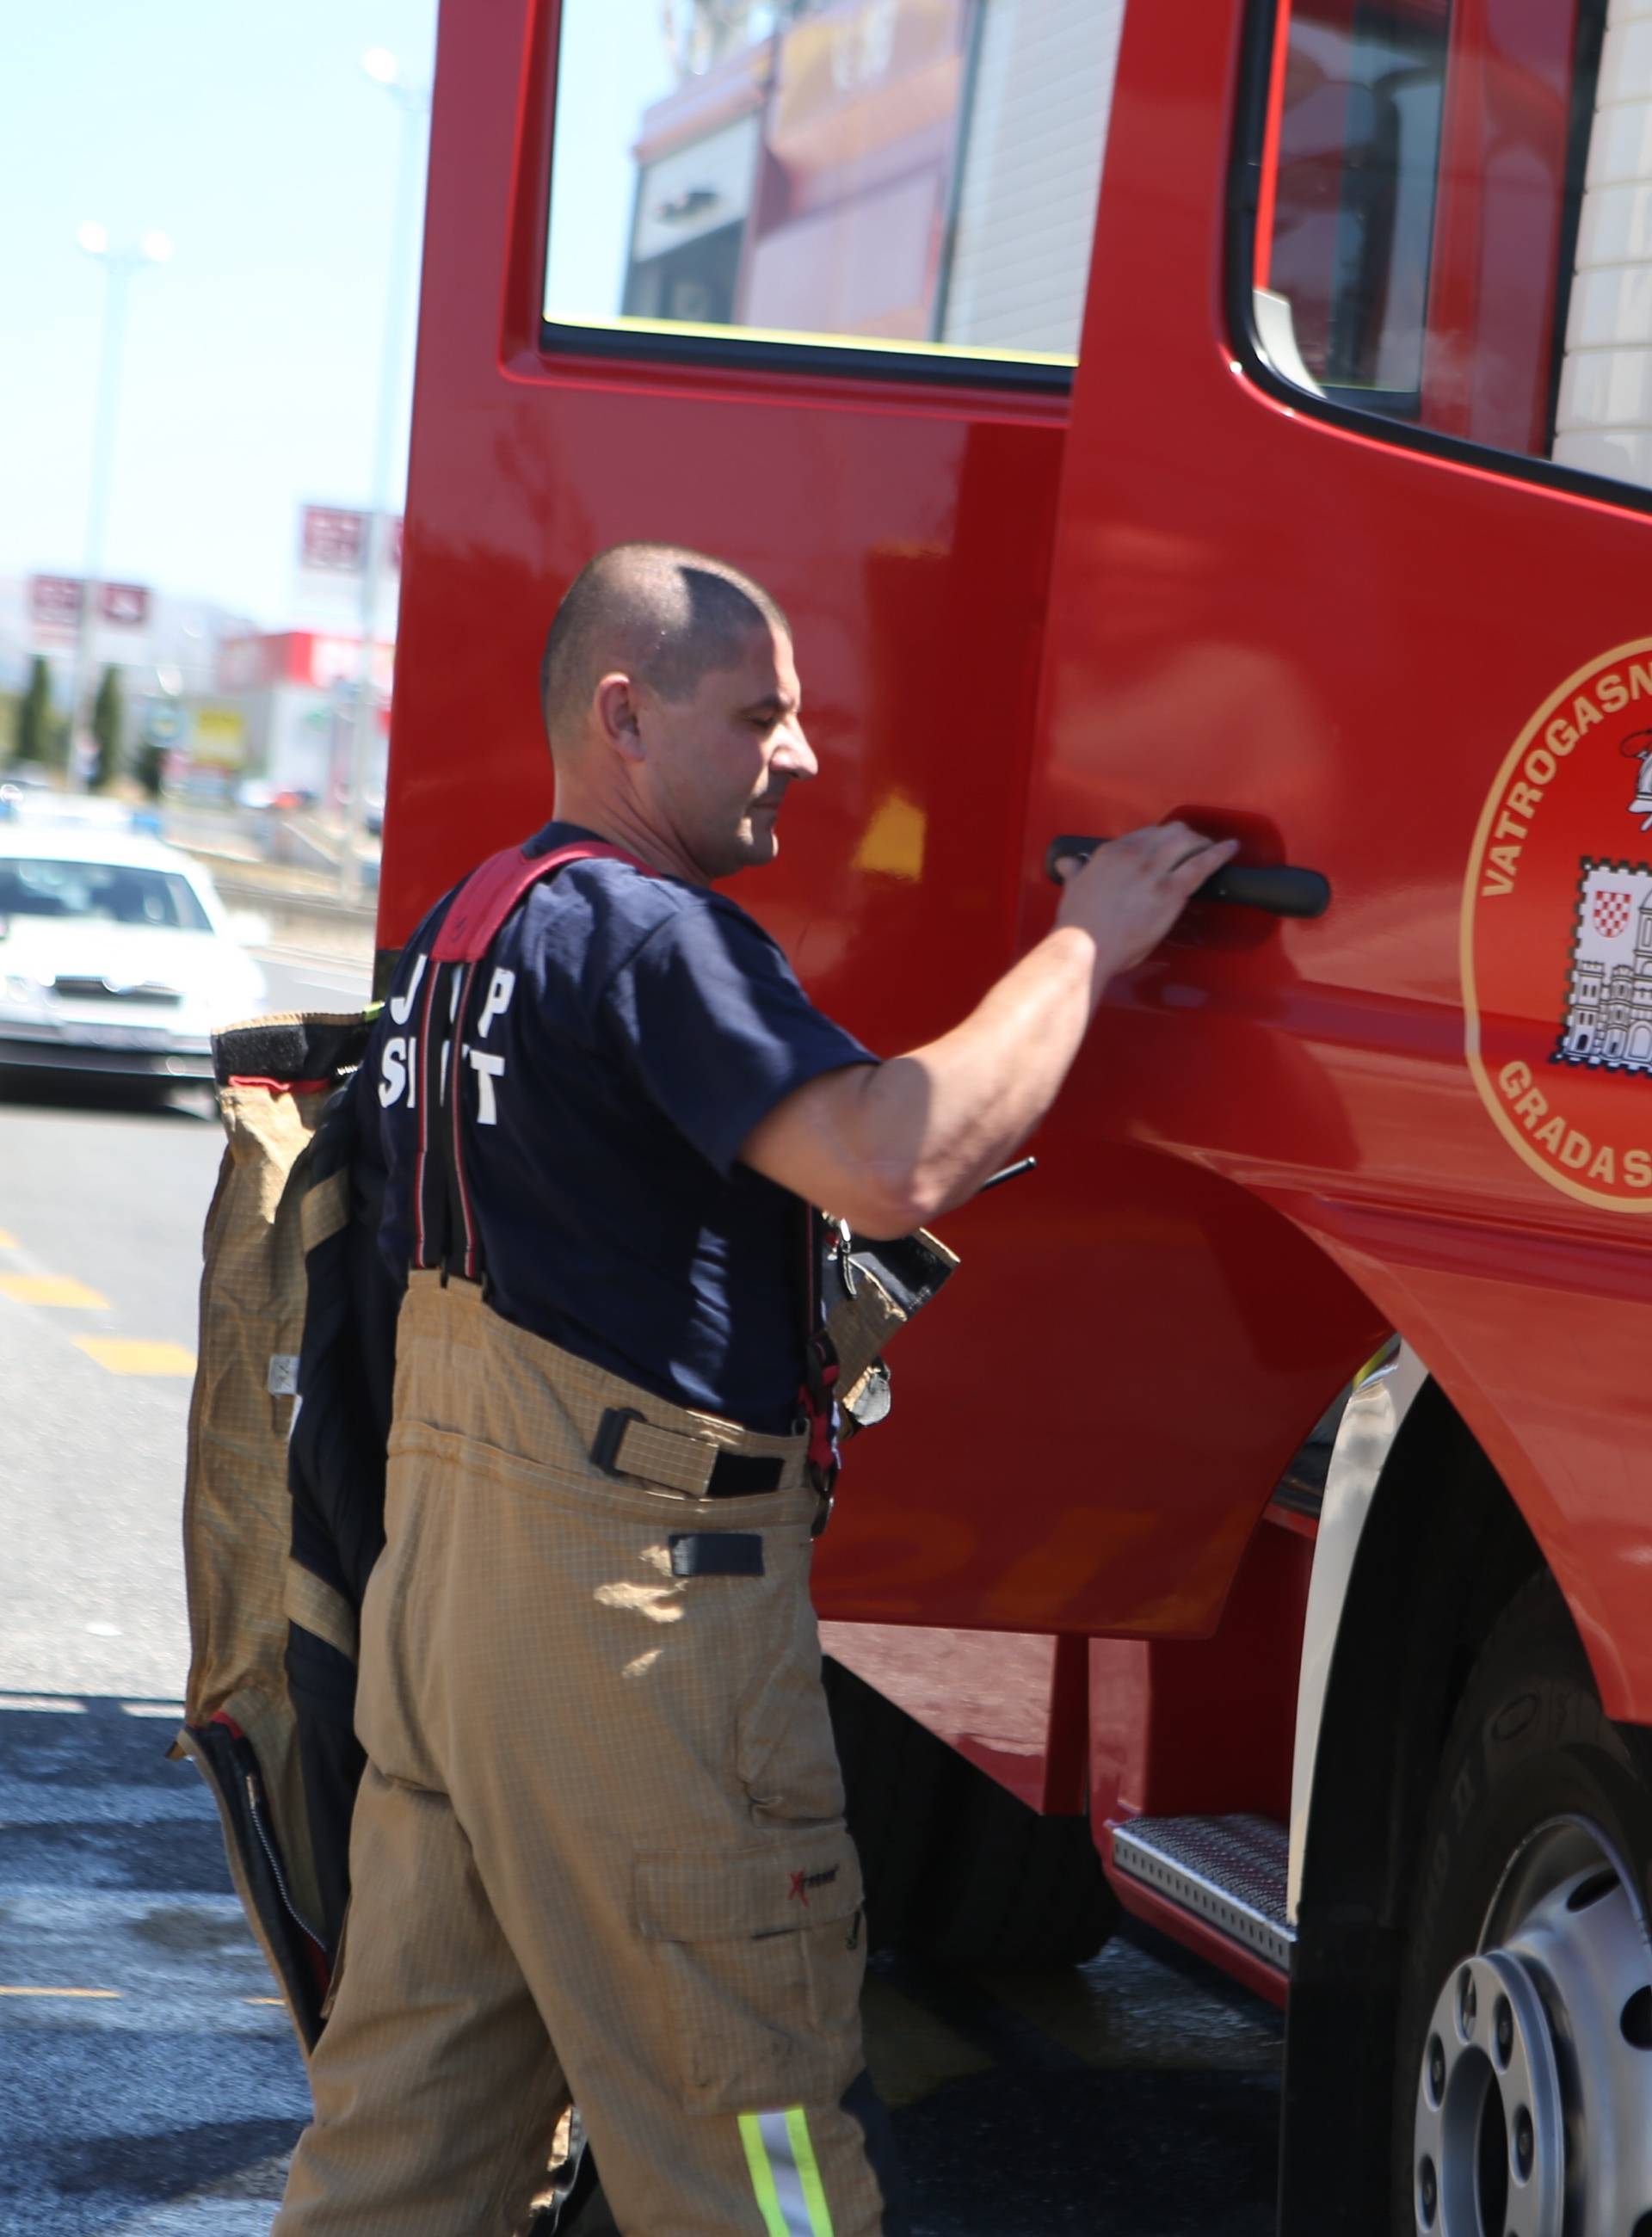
<point x="132" y="1963"/>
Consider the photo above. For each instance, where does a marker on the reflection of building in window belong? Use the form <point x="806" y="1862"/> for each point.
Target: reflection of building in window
<point x="895" y="170"/>
<point x="1420" y="177"/>
<point x="1603" y="424"/>
<point x="1359" y="141"/>
<point x="701" y="32"/>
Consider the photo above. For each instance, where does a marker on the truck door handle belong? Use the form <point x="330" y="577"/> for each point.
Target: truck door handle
<point x="1281" y="890"/>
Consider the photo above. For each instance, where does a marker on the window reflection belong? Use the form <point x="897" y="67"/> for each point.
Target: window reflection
<point x="1358" y="155"/>
<point x="919" y="174"/>
<point x="1456" y="220"/>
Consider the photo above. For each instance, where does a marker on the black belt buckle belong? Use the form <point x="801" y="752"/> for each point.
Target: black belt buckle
<point x="610" y="1434"/>
<point x="733" y="1475"/>
<point x="739" y="1476"/>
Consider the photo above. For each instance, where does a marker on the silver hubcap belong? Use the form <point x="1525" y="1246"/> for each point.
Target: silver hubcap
<point x="1534" y="2105"/>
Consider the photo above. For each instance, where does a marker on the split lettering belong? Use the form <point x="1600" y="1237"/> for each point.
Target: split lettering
<point x="487" y="1068"/>
<point x="402" y="1005"/>
<point x="399" y="1057"/>
<point x="499" y="1001"/>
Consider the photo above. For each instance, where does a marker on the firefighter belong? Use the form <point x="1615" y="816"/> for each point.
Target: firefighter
<point x="599" y="1847"/>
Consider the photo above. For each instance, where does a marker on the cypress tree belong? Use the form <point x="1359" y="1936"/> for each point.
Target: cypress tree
<point x="107" y="723"/>
<point x="36" y="724"/>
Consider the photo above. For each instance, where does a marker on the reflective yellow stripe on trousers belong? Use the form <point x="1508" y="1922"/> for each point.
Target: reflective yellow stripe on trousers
<point x="785" y="2174"/>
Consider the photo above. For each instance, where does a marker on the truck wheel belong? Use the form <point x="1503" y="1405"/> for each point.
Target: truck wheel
<point x="1524" y="2092"/>
<point x="1013" y="1888"/>
<point x="897" y="1776"/>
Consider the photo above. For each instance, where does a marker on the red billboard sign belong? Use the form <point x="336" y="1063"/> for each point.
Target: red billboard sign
<point x="332" y="540"/>
<point x="54" y="601"/>
<point x="125" y="602"/>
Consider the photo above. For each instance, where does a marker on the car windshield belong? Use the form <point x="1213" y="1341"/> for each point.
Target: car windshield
<point x="108" y="893"/>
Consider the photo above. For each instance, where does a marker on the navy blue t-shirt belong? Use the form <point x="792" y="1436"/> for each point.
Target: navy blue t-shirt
<point x="636" y="1029"/>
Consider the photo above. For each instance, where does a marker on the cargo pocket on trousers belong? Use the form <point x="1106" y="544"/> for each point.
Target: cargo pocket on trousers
<point x="759" y="1955"/>
<point x="786" y="1755"/>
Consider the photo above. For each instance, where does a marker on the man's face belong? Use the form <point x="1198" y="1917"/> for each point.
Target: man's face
<point x="719" y="761"/>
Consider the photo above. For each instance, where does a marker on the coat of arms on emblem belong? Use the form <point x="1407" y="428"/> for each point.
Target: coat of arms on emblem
<point x="1608" y="1023"/>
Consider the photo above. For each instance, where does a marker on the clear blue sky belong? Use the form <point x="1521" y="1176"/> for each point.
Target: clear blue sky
<point x="247" y="130"/>
<point x="250" y="135"/>
<point x="615" y="61"/>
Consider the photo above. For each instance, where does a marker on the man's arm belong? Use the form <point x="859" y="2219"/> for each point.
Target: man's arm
<point x="892" y="1147"/>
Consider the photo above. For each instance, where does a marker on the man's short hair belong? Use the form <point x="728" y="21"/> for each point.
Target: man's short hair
<point x="657" y="611"/>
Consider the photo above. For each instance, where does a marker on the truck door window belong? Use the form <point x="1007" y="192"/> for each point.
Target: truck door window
<point x="1455" y="221"/>
<point x="1357" y="159"/>
<point x="913" y="176"/>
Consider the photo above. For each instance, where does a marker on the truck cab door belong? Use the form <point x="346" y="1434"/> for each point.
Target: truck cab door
<point x="1337" y="571"/>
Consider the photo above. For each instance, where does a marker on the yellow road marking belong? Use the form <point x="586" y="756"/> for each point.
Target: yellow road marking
<point x="129" y="1355"/>
<point x="50" y="1290"/>
<point x="7" y="1242"/>
<point x="261" y="2000"/>
<point x="105" y="1996"/>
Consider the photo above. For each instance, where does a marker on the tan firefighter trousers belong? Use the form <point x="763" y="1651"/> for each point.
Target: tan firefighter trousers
<point x="599" y="1847"/>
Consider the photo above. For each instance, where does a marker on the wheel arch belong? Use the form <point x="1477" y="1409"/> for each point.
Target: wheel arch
<point x="1423" y="1546"/>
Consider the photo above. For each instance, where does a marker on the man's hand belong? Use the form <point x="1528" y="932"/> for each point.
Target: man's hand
<point x="1131" y="892"/>
<point x="891" y="1146"/>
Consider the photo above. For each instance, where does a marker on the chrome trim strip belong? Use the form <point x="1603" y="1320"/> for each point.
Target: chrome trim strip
<point x="1375" y="1415"/>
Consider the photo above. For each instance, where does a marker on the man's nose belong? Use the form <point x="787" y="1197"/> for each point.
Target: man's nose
<point x="793" y="755"/>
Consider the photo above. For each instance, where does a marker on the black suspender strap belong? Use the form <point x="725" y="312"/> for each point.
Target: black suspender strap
<point x="818" y="1395"/>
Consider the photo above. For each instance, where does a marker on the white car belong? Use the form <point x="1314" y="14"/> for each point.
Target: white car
<point x="115" y="956"/>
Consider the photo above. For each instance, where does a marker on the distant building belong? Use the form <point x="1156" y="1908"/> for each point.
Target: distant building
<point x="915" y="172"/>
<point x="231" y="702"/>
<point x="282" y="705"/>
<point x="163" y="645"/>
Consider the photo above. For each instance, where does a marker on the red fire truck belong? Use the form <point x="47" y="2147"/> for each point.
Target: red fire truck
<point x="1240" y="409"/>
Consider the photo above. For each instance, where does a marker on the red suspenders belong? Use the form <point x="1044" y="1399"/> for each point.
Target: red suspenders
<point x="443" y="1213"/>
<point x="442" y="1208"/>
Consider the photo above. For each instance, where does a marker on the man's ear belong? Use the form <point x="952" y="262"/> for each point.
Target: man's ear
<point x="619" y="716"/>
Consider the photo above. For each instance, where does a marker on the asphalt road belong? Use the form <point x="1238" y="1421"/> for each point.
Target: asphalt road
<point x="148" y="2083"/>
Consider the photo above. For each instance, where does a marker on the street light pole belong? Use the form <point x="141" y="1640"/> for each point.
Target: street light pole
<point x="119" y="266"/>
<point x="413" y="103"/>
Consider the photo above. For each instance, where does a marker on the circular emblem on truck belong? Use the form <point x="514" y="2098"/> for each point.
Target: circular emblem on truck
<point x="1558" y="937"/>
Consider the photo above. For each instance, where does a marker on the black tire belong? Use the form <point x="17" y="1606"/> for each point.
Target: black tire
<point x="957" y="1871"/>
<point x="1014" y="1888"/>
<point x="1530" y="1743"/>
<point x="897" y="1783"/>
